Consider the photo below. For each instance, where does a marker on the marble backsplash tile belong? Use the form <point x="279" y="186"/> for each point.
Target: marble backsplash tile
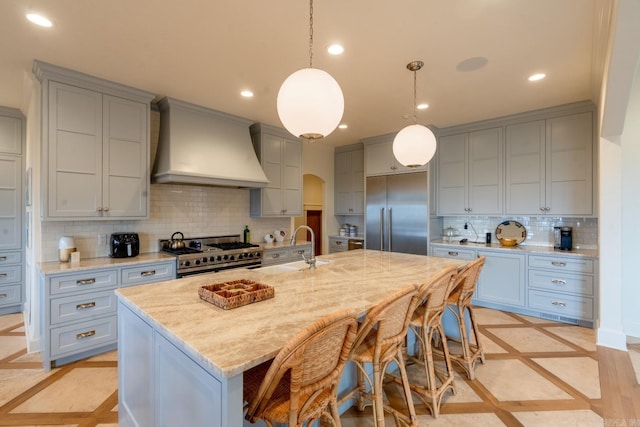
<point x="195" y="211"/>
<point x="539" y="229"/>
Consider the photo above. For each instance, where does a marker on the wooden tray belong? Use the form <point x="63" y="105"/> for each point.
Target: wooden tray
<point x="235" y="293"/>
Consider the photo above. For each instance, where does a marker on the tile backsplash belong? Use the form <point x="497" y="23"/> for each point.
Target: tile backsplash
<point x="539" y="229"/>
<point x="196" y="211"/>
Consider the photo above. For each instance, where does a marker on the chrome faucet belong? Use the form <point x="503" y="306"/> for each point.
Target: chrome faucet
<point x="312" y="259"/>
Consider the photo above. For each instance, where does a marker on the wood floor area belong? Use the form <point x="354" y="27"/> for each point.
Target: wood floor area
<point x="537" y="373"/>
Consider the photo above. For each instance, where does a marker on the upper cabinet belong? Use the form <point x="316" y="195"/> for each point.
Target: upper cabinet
<point x="379" y="158"/>
<point x="349" y="180"/>
<point x="95" y="147"/>
<point x="470" y="173"/>
<point x="280" y="155"/>
<point x="549" y="166"/>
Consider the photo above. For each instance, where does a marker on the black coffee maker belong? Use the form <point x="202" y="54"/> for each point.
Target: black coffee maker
<point x="566" y="238"/>
<point x="563" y="238"/>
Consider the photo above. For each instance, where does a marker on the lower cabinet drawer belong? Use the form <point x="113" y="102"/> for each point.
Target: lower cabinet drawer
<point x="296" y="252"/>
<point x="10" y="295"/>
<point x="80" y="307"/>
<point x="466" y="254"/>
<point x="84" y="281"/>
<point x="275" y="257"/>
<point x="10" y="274"/>
<point x="84" y="336"/>
<point x="575" y="264"/>
<point x="10" y="258"/>
<point x="565" y="305"/>
<point x="148" y="274"/>
<point x="561" y="282"/>
<point x="338" y="245"/>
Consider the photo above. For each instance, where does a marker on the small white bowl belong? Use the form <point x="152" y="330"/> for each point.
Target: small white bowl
<point x="268" y="238"/>
<point x="279" y="235"/>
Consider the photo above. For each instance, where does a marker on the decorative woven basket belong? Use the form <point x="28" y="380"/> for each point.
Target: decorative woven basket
<point x="235" y="293"/>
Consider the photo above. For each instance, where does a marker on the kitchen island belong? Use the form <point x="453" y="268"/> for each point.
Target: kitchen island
<point x="181" y="359"/>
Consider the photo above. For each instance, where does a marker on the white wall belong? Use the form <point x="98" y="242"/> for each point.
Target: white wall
<point x="618" y="179"/>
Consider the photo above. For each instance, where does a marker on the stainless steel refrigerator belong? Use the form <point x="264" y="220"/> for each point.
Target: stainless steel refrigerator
<point x="397" y="214"/>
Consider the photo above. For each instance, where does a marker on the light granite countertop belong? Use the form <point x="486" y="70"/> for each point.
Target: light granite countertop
<point x="229" y="342"/>
<point x="54" y="267"/>
<point x="531" y="249"/>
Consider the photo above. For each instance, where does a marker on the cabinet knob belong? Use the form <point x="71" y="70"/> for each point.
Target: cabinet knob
<point x="99" y="209"/>
<point x="105" y="209"/>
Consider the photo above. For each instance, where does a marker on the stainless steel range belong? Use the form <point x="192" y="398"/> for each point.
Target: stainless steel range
<point x="211" y="254"/>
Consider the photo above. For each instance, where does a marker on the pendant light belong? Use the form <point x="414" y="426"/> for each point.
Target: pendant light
<point x="310" y="102"/>
<point x="414" y="145"/>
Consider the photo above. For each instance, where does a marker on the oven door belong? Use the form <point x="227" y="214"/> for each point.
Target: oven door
<point x="252" y="265"/>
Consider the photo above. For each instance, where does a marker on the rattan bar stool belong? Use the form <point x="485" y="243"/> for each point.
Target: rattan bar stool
<point x="459" y="303"/>
<point x="380" y="341"/>
<point x="300" y="385"/>
<point x="426" y="323"/>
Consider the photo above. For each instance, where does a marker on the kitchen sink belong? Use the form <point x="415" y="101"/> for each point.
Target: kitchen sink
<point x="293" y="266"/>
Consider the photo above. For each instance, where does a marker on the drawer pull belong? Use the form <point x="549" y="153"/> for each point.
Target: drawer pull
<point x="86" y="281"/>
<point x="339" y="242"/>
<point x="85" y="305"/>
<point x="3" y="274"/>
<point x="4" y="295"/>
<point x="559" y="282"/>
<point x="452" y="253"/>
<point x="559" y="303"/>
<point x="3" y="258"/>
<point x="275" y="256"/>
<point x="85" y="335"/>
<point x="559" y="263"/>
<point x="148" y="273"/>
<point x="301" y="251"/>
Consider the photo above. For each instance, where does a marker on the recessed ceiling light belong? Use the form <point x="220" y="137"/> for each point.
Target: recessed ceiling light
<point x="39" y="20"/>
<point x="247" y="93"/>
<point x="343" y="126"/>
<point x="335" y="49"/>
<point x="422" y="106"/>
<point x="535" y="77"/>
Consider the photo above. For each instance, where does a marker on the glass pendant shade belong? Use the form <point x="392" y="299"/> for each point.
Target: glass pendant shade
<point x="414" y="145"/>
<point x="310" y="103"/>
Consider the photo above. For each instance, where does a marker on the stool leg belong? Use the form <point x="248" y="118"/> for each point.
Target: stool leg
<point x="406" y="387"/>
<point x="377" y="396"/>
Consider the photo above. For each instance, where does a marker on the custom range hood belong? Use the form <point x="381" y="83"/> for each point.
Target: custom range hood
<point x="201" y="146"/>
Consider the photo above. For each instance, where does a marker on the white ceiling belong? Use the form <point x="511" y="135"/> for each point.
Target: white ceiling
<point x="206" y="52"/>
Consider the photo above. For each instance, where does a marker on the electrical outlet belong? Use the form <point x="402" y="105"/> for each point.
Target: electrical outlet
<point x="102" y="239"/>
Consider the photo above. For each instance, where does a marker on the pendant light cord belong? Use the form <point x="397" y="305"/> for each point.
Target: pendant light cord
<point x="415" y="98"/>
<point x="310" y="33"/>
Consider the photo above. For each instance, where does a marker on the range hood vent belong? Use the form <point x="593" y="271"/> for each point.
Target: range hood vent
<point x="201" y="146"/>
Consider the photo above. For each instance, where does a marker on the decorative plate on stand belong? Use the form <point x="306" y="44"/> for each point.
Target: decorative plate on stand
<point x="511" y="230"/>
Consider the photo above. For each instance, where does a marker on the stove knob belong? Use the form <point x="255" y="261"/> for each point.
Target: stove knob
<point x="226" y="257"/>
<point x="212" y="259"/>
<point x="186" y="264"/>
<point x="197" y="262"/>
<point x="251" y="255"/>
<point x="231" y="258"/>
<point x="219" y="258"/>
<point x="205" y="259"/>
<point x="240" y="256"/>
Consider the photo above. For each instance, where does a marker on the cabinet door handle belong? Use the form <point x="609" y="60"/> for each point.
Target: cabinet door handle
<point x="85" y="305"/>
<point x="452" y="253"/>
<point x="559" y="303"/>
<point x="86" y="281"/>
<point x="559" y="282"/>
<point x="99" y="209"/>
<point x="559" y="263"/>
<point x="3" y="258"/>
<point x="85" y="334"/>
<point x="148" y="273"/>
<point x="105" y="209"/>
<point x="4" y="295"/>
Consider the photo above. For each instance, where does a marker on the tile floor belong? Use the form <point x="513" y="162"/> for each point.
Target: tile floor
<point x="537" y="373"/>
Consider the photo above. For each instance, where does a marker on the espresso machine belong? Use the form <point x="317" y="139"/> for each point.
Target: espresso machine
<point x="563" y="238"/>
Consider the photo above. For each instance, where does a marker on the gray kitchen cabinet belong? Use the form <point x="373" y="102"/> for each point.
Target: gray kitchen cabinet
<point x="349" y="180"/>
<point x="95" y="147"/>
<point x="470" y="173"/>
<point x="280" y="155"/>
<point x="379" y="158"/>
<point x="563" y="287"/>
<point x="79" y="308"/>
<point x="285" y="254"/>
<point x="502" y="280"/>
<point x="12" y="240"/>
<point x="549" y="166"/>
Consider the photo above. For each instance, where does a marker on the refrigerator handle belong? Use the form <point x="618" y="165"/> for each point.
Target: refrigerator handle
<point x="382" y="229"/>
<point x="389" y="228"/>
